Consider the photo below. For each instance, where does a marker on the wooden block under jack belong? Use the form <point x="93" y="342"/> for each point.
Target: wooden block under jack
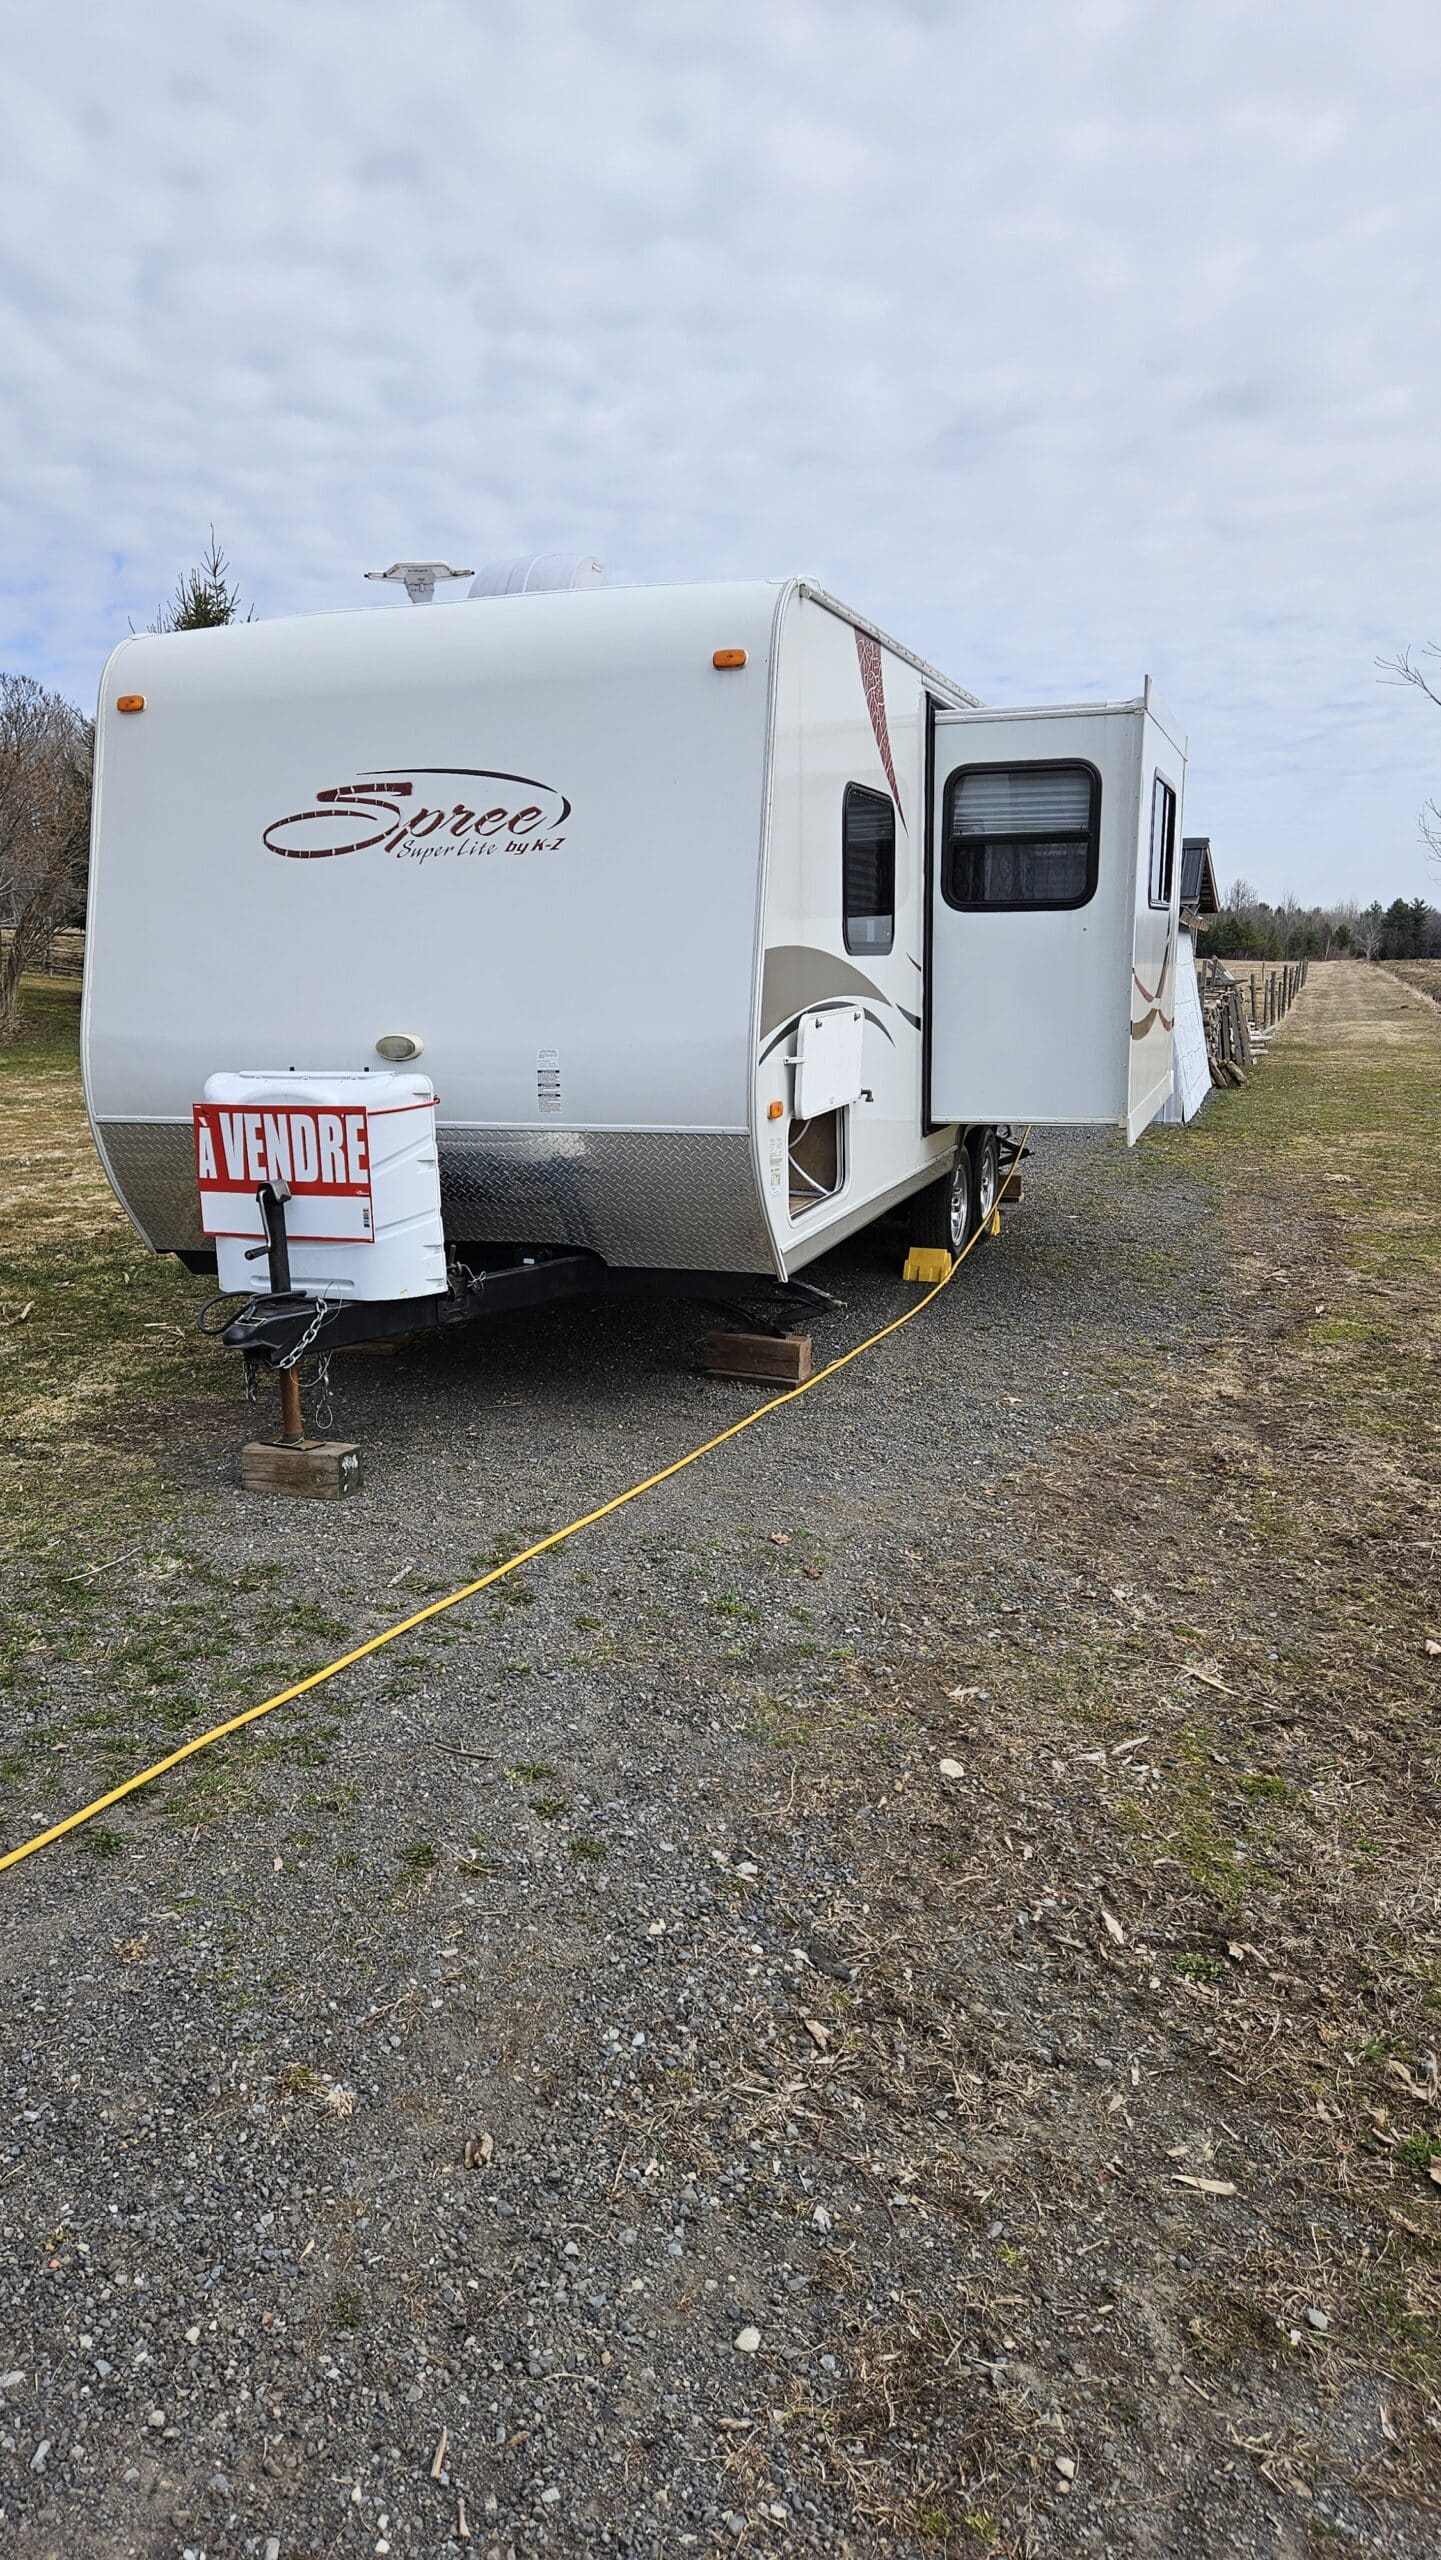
<point x="325" y="1469"/>
<point x="775" y="1358"/>
<point x="1015" y="1193"/>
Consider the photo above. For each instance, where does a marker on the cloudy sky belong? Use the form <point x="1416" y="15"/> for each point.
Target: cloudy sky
<point x="1068" y="339"/>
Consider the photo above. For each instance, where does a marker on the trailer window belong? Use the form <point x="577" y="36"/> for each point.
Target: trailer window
<point x="1163" y="842"/>
<point x="868" y="869"/>
<point x="1021" y="835"/>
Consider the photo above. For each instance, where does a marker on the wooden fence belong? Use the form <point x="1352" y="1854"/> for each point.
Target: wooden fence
<point x="1275" y="990"/>
<point x="1242" y="1011"/>
<point x="64" y="952"/>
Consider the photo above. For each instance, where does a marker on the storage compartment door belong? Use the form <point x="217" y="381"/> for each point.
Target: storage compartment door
<point x="828" y="1059"/>
<point x="1036" y="843"/>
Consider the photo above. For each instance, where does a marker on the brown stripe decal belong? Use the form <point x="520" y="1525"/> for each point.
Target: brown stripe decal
<point x="869" y="653"/>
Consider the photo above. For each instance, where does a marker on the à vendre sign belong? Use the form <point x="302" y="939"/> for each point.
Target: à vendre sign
<point x="322" y="1156"/>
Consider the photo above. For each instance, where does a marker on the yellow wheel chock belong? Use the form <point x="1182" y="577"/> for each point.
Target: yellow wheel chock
<point x="930" y="1264"/>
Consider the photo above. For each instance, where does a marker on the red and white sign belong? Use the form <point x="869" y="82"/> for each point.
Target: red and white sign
<point x="323" y="1156"/>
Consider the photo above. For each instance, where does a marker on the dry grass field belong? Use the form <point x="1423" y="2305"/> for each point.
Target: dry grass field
<point x="1423" y="974"/>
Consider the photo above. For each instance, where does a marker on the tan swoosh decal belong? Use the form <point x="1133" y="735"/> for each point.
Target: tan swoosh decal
<point x="796" y="976"/>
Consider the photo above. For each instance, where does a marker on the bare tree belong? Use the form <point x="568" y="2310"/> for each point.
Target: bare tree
<point x="204" y="597"/>
<point x="1407" y="667"/>
<point x="45" y="753"/>
<point x="1369" y="928"/>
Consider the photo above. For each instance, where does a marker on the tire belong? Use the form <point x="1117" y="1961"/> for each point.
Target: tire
<point x="987" y="1187"/>
<point x="941" y="1214"/>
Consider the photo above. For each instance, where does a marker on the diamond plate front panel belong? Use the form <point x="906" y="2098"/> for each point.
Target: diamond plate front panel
<point x="666" y="1199"/>
<point x="151" y="1164"/>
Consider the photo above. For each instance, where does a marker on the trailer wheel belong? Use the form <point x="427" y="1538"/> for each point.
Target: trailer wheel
<point x="988" y="1174"/>
<point x="941" y="1214"/>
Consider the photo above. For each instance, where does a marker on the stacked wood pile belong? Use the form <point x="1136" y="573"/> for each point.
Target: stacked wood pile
<point x="1240" y="1014"/>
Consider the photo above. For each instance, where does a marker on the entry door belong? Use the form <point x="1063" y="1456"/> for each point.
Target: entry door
<point x="1038" y="887"/>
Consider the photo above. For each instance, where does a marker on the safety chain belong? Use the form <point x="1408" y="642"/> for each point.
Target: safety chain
<point x="324" y="1408"/>
<point x="325" y="1308"/>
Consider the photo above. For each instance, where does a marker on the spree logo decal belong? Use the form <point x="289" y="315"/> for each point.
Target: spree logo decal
<point x="512" y="813"/>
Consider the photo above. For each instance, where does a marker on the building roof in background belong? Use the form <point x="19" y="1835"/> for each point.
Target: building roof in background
<point x="1198" y="879"/>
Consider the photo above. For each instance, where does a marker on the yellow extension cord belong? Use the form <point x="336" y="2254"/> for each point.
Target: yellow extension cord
<point x="468" y="1590"/>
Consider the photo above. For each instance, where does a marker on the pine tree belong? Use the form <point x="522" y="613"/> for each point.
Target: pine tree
<point x="204" y="597"/>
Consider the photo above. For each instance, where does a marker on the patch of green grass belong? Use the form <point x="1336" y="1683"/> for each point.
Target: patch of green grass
<point x="549" y="1806"/>
<point x="1418" y="2151"/>
<point x="336" y="1799"/>
<point x="505" y="1548"/>
<point x="347" y="2307"/>
<point x="528" y="1773"/>
<point x="584" y="1848"/>
<point x="420" y="1857"/>
<point x="729" y="1604"/>
<point x="97" y="1842"/>
<point x="780" y="1725"/>
<point x="1198" y="1968"/>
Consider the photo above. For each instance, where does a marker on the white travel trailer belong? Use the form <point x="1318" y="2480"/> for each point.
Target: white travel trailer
<point x="700" y="925"/>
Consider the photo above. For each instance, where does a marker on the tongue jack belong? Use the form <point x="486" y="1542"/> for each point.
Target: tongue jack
<point x="272" y="1197"/>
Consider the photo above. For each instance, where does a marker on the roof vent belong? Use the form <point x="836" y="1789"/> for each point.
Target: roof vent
<point x="546" y="573"/>
<point x="418" y="577"/>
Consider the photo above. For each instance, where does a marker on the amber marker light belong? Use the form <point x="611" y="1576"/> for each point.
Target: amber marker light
<point x="130" y="702"/>
<point x="729" y="658"/>
<point x="776" y="1111"/>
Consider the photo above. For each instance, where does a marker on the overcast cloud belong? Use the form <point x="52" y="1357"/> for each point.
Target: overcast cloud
<point x="1068" y="339"/>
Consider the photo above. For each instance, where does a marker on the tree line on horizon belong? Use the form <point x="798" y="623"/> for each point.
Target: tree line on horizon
<point x="1250" y="927"/>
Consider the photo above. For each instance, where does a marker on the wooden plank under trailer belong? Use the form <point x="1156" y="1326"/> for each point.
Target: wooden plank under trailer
<point x="777" y="1359"/>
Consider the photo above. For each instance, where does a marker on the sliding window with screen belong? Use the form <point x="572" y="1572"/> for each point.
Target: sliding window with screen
<point x="1022" y="835"/>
